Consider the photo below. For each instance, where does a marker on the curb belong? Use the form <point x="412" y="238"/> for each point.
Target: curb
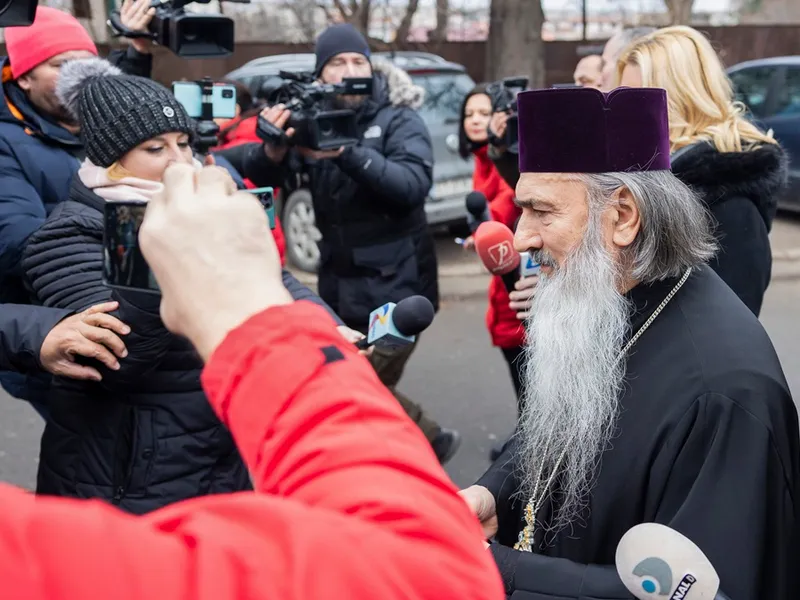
<point x="792" y="254"/>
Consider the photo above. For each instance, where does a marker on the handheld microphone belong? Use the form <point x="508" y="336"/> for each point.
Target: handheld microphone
<point x="393" y="325"/>
<point x="477" y="210"/>
<point x="495" y="245"/>
<point x="656" y="562"/>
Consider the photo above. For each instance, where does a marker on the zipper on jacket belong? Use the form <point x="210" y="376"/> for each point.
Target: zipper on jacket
<point x="119" y="493"/>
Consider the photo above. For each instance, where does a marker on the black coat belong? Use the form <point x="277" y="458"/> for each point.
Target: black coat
<point x="706" y="442"/>
<point x="37" y="161"/>
<point x="740" y="189"/>
<point x="369" y="203"/>
<point x="23" y="330"/>
<point x="145" y="436"/>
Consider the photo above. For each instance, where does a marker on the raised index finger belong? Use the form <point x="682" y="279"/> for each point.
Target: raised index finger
<point x="179" y="184"/>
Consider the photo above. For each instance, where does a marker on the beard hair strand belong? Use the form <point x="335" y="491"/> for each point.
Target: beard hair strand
<point x="574" y="376"/>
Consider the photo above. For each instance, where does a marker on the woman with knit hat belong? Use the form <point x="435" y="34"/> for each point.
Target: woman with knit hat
<point x="145" y="436"/>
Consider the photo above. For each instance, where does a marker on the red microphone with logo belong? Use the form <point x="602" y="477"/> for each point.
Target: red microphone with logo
<point x="494" y="243"/>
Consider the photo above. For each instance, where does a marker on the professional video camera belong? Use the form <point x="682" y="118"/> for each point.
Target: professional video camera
<point x="315" y="127"/>
<point x="187" y="35"/>
<point x="504" y="99"/>
<point x="17" y="13"/>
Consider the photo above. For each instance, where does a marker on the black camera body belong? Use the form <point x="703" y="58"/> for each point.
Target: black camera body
<point x="315" y="126"/>
<point x="185" y="34"/>
<point x="17" y="13"/>
<point x="504" y="99"/>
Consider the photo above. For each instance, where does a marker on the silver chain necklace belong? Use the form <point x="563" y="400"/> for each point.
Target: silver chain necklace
<point x="525" y="539"/>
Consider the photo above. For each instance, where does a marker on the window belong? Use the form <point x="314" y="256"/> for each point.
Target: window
<point x="788" y="100"/>
<point x="444" y="94"/>
<point x="751" y="86"/>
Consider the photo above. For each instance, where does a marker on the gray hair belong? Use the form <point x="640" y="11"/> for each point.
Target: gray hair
<point x="676" y="230"/>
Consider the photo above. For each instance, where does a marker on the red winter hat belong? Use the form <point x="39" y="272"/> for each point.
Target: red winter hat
<point x="53" y="32"/>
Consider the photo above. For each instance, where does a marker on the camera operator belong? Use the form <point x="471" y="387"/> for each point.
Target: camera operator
<point x="40" y="149"/>
<point x="369" y="201"/>
<point x="504" y="160"/>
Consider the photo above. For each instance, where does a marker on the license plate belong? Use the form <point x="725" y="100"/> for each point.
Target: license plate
<point x="451" y="187"/>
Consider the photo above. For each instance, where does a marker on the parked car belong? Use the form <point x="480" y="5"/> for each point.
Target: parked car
<point x="445" y="85"/>
<point x="770" y="88"/>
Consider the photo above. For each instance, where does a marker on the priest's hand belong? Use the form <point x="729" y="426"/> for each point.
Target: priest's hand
<point x="482" y="503"/>
<point x="522" y="296"/>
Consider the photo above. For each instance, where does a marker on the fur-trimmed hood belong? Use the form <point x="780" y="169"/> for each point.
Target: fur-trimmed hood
<point x="758" y="175"/>
<point x="394" y="86"/>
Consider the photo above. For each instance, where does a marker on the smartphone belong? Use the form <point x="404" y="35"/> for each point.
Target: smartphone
<point x="190" y="94"/>
<point x="124" y="265"/>
<point x="266" y="196"/>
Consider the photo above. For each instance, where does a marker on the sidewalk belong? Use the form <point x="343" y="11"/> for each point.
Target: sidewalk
<point x="785" y="238"/>
<point x="462" y="276"/>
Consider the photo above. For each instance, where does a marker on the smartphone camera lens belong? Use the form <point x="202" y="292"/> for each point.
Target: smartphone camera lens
<point x="227" y="94"/>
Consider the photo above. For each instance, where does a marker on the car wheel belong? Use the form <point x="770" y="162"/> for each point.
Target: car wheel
<point x="301" y="232"/>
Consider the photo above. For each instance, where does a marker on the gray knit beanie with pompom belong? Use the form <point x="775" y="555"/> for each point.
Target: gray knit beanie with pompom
<point x="117" y="112"/>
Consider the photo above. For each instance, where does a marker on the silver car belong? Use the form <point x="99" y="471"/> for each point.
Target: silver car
<point x="445" y="83"/>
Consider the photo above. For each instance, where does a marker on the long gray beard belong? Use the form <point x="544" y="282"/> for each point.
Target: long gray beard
<point x="574" y="376"/>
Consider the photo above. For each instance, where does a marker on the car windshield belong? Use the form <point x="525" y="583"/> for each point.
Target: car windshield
<point x="444" y="93"/>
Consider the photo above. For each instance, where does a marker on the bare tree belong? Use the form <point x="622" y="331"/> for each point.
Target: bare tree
<point x="305" y="13"/>
<point x="769" y="11"/>
<point x="355" y="12"/>
<point x="401" y="35"/>
<point x="515" y="46"/>
<point x="680" y="11"/>
<point x="442" y="14"/>
<point x="358" y="13"/>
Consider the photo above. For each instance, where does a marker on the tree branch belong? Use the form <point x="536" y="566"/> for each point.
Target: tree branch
<point x="401" y="36"/>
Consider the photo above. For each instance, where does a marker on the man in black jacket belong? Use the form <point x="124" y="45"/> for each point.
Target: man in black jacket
<point x="369" y="201"/>
<point x="40" y="149"/>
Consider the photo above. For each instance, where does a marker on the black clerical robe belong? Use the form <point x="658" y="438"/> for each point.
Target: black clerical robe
<point x="706" y="443"/>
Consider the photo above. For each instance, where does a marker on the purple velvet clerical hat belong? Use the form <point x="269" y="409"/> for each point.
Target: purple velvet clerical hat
<point x="583" y="130"/>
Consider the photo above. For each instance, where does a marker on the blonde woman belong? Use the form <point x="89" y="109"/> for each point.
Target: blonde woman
<point x="736" y="169"/>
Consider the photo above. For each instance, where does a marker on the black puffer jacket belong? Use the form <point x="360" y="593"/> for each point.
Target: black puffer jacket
<point x="146" y="436"/>
<point x="740" y="189"/>
<point x="369" y="203"/>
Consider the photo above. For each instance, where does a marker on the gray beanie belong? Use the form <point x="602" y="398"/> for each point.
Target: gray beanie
<point x="117" y="112"/>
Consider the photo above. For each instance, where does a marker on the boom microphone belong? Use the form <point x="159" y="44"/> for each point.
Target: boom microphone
<point x="395" y="325"/>
<point x="494" y="243"/>
<point x="477" y="210"/>
<point x="656" y="562"/>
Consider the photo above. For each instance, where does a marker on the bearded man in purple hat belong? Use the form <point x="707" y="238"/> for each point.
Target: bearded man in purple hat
<point x="653" y="393"/>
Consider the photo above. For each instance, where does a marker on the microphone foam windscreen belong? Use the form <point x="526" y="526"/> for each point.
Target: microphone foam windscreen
<point x="413" y="315"/>
<point x="476" y="203"/>
<point x="495" y="245"/>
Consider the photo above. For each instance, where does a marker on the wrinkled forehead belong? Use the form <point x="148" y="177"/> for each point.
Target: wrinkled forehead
<point x="553" y="189"/>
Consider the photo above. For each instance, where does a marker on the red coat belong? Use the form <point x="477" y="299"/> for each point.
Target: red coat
<point x="244" y="132"/>
<point x="506" y="330"/>
<point x="350" y="502"/>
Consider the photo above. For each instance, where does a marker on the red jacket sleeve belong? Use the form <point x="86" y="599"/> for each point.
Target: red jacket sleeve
<point x="350" y="503"/>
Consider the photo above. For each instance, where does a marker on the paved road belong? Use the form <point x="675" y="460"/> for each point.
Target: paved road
<point x="456" y="374"/>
